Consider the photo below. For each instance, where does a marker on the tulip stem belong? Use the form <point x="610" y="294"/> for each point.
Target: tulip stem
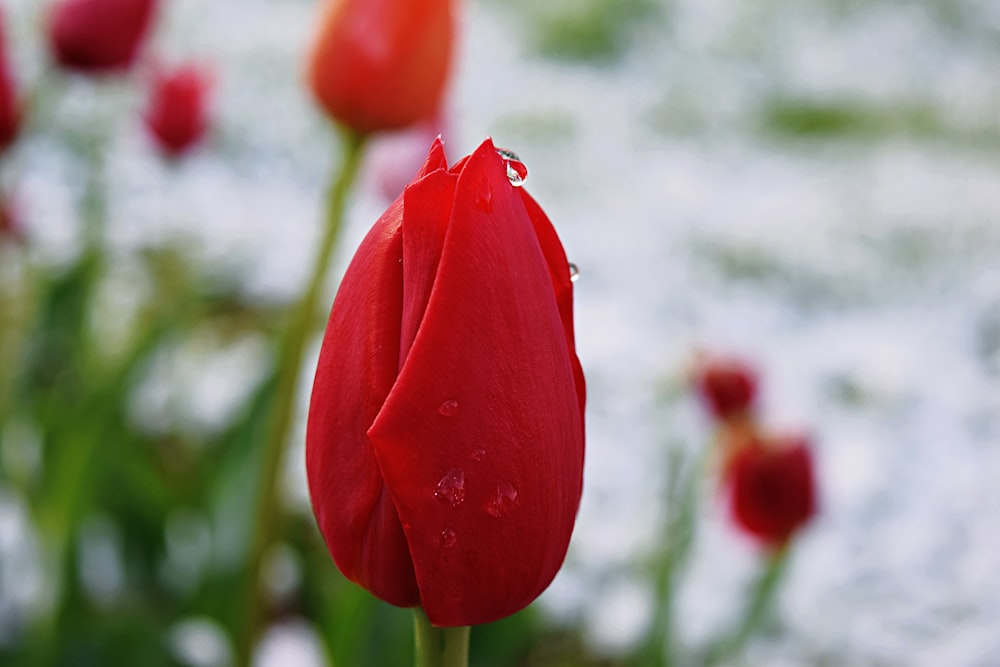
<point x="758" y="606"/>
<point x="439" y="647"/>
<point x="287" y="369"/>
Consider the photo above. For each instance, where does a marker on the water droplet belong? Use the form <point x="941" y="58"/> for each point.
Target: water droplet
<point x="574" y="272"/>
<point x="484" y="199"/>
<point x="449" y="408"/>
<point x="517" y="172"/>
<point x="448" y="537"/>
<point x="503" y="502"/>
<point x="479" y="455"/>
<point x="451" y="488"/>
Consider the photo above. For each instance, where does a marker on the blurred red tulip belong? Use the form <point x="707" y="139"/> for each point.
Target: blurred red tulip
<point x="10" y="222"/>
<point x="381" y="64"/>
<point x="10" y="107"/>
<point x="99" y="36"/>
<point x="727" y="386"/>
<point x="444" y="447"/>
<point x="772" y="488"/>
<point x="177" y="114"/>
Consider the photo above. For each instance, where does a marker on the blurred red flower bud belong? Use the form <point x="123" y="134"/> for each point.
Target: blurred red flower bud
<point x="10" y="221"/>
<point x="10" y="107"/>
<point x="177" y="112"/>
<point x="772" y="488"/>
<point x="381" y="64"/>
<point x="99" y="36"/>
<point x="727" y="386"/>
<point x="445" y="441"/>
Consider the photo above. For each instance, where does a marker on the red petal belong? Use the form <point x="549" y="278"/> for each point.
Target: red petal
<point x="485" y="412"/>
<point x="357" y="366"/>
<point x="426" y="210"/>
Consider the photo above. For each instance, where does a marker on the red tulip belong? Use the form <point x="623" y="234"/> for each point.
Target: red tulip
<point x="773" y="492"/>
<point x="727" y="386"/>
<point x="177" y="115"/>
<point x="381" y="64"/>
<point x="444" y="447"/>
<point x="10" y="107"/>
<point x="10" y="223"/>
<point x="99" y="36"/>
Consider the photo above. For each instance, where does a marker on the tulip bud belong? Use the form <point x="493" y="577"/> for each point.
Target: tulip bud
<point x="10" y="107"/>
<point x="99" y="36"/>
<point x="727" y="386"/>
<point x="10" y="223"/>
<point x="772" y="488"/>
<point x="444" y="448"/>
<point x="177" y="113"/>
<point x="381" y="64"/>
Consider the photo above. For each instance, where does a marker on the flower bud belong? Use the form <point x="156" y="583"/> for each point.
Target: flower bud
<point x="10" y="106"/>
<point x="177" y="113"/>
<point x="381" y="64"/>
<point x="727" y="386"/>
<point x="444" y="448"/>
<point x="99" y="36"/>
<point x="772" y="490"/>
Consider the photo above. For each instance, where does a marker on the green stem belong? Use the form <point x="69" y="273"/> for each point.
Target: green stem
<point x="761" y="598"/>
<point x="684" y="473"/>
<point x="439" y="647"/>
<point x="287" y="368"/>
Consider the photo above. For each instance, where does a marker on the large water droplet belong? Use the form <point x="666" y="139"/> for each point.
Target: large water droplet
<point x="503" y="502"/>
<point x="451" y="488"/>
<point x="448" y="537"/>
<point x="479" y="454"/>
<point x="574" y="272"/>
<point x="517" y="172"/>
<point x="449" y="408"/>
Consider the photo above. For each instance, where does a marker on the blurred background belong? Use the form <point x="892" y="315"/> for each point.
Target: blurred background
<point x="814" y="186"/>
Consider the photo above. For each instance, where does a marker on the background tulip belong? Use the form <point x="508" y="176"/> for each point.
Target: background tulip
<point x="727" y="386"/>
<point x="10" y="108"/>
<point x="177" y="114"/>
<point x="445" y="438"/>
<point x="96" y="36"/>
<point x="381" y="64"/>
<point x="772" y="489"/>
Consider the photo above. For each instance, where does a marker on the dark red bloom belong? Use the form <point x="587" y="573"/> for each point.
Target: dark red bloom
<point x="10" y="107"/>
<point x="99" y="36"/>
<point x="177" y="115"/>
<point x="444" y="447"/>
<point x="772" y="488"/>
<point x="727" y="386"/>
<point x="382" y="64"/>
<point x="10" y="223"/>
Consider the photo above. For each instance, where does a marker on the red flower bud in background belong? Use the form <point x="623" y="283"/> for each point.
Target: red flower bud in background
<point x="10" y="107"/>
<point x="99" y="36"/>
<point x="772" y="488"/>
<point x="381" y="64"/>
<point x="445" y="441"/>
<point x="177" y="112"/>
<point x="10" y="221"/>
<point x="727" y="386"/>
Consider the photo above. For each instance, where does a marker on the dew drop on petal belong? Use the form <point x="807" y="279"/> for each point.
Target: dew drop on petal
<point x="574" y="272"/>
<point x="451" y="488"/>
<point x="449" y="408"/>
<point x="503" y="502"/>
<point x="517" y="172"/>
<point x="479" y="454"/>
<point x="448" y="537"/>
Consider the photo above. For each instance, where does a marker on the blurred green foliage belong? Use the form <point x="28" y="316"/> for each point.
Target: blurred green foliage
<point x="583" y="30"/>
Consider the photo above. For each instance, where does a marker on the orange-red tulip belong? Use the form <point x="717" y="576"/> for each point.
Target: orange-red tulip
<point x="382" y="64"/>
